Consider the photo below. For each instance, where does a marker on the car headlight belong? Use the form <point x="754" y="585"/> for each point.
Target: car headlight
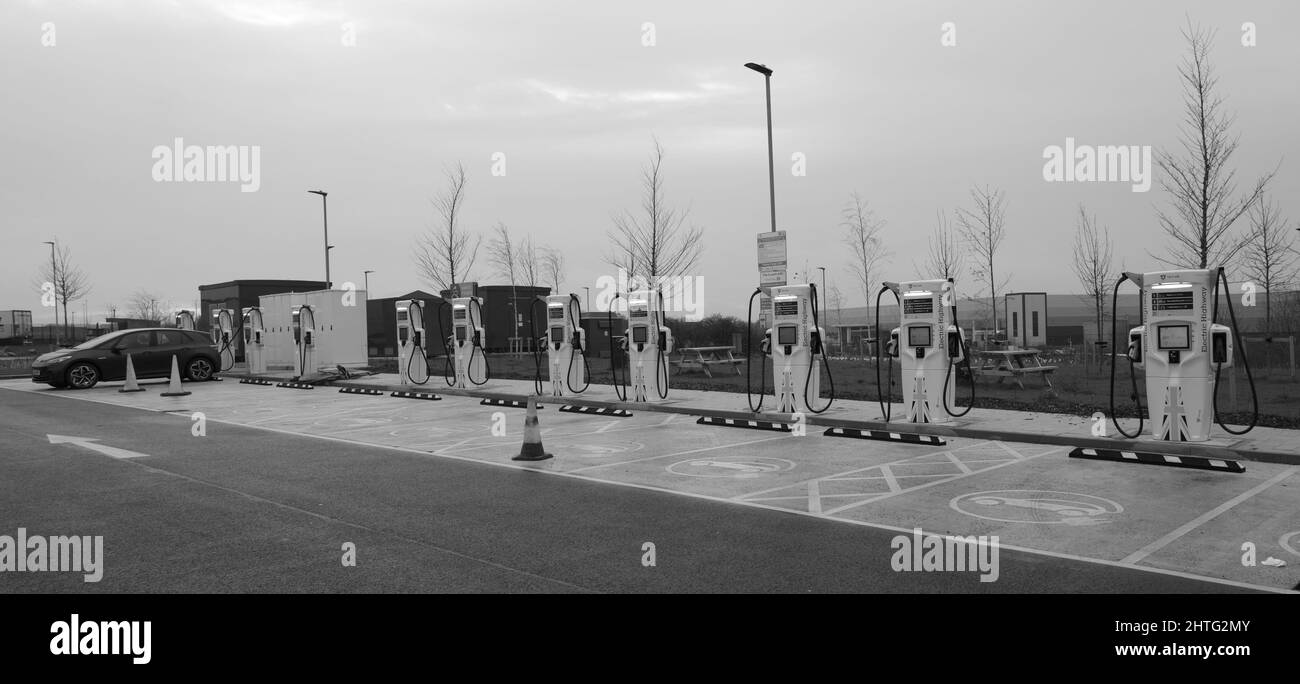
<point x="53" y="361"/>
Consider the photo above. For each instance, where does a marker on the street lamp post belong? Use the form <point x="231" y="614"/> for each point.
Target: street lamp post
<point x="771" y="163"/>
<point x="823" y="270"/>
<point x="367" y="276"/>
<point x="54" y="276"/>
<point x="325" y="214"/>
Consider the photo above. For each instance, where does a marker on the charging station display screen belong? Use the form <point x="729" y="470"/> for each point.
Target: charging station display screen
<point x="459" y="314"/>
<point x="638" y="313"/>
<point x="555" y="313"/>
<point x="786" y="307"/>
<point x="918" y="305"/>
<point x="786" y="334"/>
<point x="638" y="334"/>
<point x="460" y="333"/>
<point x="919" y="336"/>
<point x="1174" y="337"/>
<point x="1172" y="301"/>
<point x="557" y="334"/>
<point x="402" y="314"/>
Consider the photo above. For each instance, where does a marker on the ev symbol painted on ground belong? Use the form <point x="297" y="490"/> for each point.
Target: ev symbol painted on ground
<point x="735" y="467"/>
<point x="1038" y="507"/>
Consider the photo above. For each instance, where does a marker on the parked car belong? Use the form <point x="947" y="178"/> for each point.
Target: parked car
<point x="151" y="349"/>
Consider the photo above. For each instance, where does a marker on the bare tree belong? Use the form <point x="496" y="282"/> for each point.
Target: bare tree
<point x="1200" y="183"/>
<point x="656" y="243"/>
<point x="146" y="306"/>
<point x="983" y="228"/>
<point x="862" y="230"/>
<point x="1269" y="256"/>
<point x="553" y="267"/>
<point x="530" y="262"/>
<point x="1093" y="253"/>
<point x="446" y="253"/>
<point x="504" y="257"/>
<point x="835" y="301"/>
<point x="66" y="281"/>
<point x="945" y="257"/>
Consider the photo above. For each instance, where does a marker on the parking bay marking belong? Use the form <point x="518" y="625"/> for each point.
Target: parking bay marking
<point x="1137" y="556"/>
<point x="891" y="477"/>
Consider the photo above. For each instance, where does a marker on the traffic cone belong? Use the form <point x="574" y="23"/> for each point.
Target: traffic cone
<point x="174" y="387"/>
<point x="532" y="449"/>
<point x="132" y="385"/>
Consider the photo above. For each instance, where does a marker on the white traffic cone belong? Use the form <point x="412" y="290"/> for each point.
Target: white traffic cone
<point x="132" y="385"/>
<point x="174" y="387"/>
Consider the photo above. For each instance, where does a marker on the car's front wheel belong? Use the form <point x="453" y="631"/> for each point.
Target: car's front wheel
<point x="199" y="369"/>
<point x="83" y="376"/>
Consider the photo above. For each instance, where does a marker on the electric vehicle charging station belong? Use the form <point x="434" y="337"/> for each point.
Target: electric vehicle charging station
<point x="469" y="363"/>
<point x="254" y="347"/>
<point x="566" y="345"/>
<point x="648" y="344"/>
<point x="412" y="362"/>
<point x="1181" y="348"/>
<point x="223" y="335"/>
<point x="304" y="327"/>
<point x="795" y="344"/>
<point x="185" y="319"/>
<point x="929" y="344"/>
<point x="336" y="323"/>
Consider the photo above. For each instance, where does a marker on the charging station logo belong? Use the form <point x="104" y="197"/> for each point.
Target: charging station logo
<point x="47" y="294"/>
<point x="211" y="164"/>
<point x="1100" y="164"/>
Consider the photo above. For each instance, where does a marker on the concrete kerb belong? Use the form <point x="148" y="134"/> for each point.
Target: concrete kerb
<point x="1172" y="448"/>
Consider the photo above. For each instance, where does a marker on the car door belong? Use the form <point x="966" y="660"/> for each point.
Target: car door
<point x="168" y="343"/>
<point x="137" y="344"/>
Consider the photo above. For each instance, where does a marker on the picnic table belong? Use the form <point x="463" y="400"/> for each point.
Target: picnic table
<point x="703" y="357"/>
<point x="1010" y="363"/>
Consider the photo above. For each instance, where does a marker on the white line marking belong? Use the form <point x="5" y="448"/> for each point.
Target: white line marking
<point x="719" y="499"/>
<point x="892" y="481"/>
<point x="1137" y="556"/>
<point x="965" y="469"/>
<point x="814" y="497"/>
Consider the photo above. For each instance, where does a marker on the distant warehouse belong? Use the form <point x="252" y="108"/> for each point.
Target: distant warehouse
<point x="15" y="326"/>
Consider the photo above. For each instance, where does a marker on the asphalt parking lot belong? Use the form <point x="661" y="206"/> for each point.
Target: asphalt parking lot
<point x="266" y="484"/>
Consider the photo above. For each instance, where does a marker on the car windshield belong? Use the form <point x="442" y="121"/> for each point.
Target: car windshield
<point x="96" y="341"/>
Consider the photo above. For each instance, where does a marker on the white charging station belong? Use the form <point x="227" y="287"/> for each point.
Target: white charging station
<point x="412" y="361"/>
<point x="794" y="341"/>
<point x="1181" y="349"/>
<point x="649" y="342"/>
<point x="929" y="347"/>
<point x="185" y="319"/>
<point x="566" y="345"/>
<point x="304" y="338"/>
<point x="466" y="343"/>
<point x="254" y="346"/>
<point x="223" y="336"/>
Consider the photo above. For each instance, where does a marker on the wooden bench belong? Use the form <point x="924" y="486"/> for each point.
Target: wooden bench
<point x="1011" y="363"/>
<point x="702" y="358"/>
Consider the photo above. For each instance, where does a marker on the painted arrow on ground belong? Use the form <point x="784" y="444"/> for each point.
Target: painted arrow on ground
<point x="90" y="443"/>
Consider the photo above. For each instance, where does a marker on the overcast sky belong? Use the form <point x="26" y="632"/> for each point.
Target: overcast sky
<point x="569" y="93"/>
